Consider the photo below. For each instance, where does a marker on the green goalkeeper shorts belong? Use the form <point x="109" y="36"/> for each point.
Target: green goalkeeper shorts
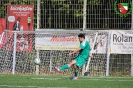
<point x="80" y="61"/>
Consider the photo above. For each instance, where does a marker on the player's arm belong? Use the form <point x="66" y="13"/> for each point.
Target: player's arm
<point x="82" y="46"/>
<point x="75" y="51"/>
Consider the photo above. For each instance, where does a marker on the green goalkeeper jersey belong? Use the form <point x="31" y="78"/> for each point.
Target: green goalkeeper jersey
<point x="85" y="49"/>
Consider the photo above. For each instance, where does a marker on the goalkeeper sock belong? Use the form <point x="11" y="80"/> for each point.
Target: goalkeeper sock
<point x="76" y="73"/>
<point x="66" y="66"/>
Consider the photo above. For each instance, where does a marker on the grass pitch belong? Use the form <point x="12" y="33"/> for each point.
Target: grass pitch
<point x="41" y="81"/>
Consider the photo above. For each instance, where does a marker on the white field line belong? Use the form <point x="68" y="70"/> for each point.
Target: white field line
<point x="47" y="78"/>
<point x="108" y="77"/>
<point x="17" y="86"/>
<point x="95" y="79"/>
<point x="109" y="80"/>
<point x="126" y="80"/>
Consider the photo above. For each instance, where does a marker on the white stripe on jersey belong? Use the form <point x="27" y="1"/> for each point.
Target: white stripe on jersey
<point x="83" y="43"/>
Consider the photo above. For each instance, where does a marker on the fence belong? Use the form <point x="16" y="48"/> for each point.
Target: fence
<point x="20" y="48"/>
<point x="68" y="14"/>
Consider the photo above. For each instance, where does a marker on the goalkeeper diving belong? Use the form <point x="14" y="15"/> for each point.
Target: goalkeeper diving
<point x="81" y="59"/>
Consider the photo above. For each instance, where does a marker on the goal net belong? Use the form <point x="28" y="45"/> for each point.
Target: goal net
<point x="18" y="49"/>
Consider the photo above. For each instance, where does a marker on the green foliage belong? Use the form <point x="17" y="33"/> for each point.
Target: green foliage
<point x="69" y="13"/>
<point x="94" y="1"/>
<point x="65" y="7"/>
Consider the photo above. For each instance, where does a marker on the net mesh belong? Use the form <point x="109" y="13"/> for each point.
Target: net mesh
<point x="98" y="65"/>
<point x="120" y="65"/>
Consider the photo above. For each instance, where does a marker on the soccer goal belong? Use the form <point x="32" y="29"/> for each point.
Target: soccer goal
<point x="19" y="49"/>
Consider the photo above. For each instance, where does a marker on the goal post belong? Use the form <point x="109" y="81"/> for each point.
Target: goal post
<point x="37" y="66"/>
<point x="89" y="59"/>
<point x="14" y="52"/>
<point x="108" y="53"/>
<point x="132" y="64"/>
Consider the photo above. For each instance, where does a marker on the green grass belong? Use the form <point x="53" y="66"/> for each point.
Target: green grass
<point x="42" y="81"/>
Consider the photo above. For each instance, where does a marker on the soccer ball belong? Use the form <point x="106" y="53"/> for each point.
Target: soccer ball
<point x="37" y="61"/>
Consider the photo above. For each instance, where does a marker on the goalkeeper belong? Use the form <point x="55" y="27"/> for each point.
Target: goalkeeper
<point x="81" y="59"/>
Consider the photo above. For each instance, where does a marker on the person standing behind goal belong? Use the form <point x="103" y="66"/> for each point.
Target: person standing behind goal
<point x="81" y="59"/>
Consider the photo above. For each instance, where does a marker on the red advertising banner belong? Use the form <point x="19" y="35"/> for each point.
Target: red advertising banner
<point x="2" y="25"/>
<point x="2" y="28"/>
<point x="20" y="18"/>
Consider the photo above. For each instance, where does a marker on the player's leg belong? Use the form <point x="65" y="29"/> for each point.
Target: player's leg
<point x="75" y="72"/>
<point x="79" y="63"/>
<point x="66" y="66"/>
